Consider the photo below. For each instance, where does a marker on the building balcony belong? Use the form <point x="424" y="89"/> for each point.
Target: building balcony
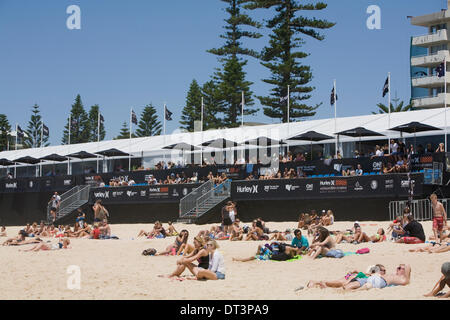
<point x="430" y="81"/>
<point x="440" y="37"/>
<point x="430" y="61"/>
<point x="430" y="19"/>
<point x="431" y="102"/>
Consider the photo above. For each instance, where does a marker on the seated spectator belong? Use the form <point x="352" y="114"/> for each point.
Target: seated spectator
<point x="3" y="232"/>
<point x="322" y="243"/>
<point x="328" y="218"/>
<point x="300" y="157"/>
<point x="429" y="148"/>
<point x="414" y="231"/>
<point x="394" y="147"/>
<point x="378" y="151"/>
<point x="338" y="155"/>
<point x="359" y="171"/>
<point x="356" y="154"/>
<point x="299" y="241"/>
<point x="388" y="168"/>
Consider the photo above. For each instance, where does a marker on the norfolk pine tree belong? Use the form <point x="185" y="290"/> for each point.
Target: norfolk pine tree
<point x="282" y="56"/>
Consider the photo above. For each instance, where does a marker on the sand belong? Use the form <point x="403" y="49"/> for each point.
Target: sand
<point x="115" y="269"/>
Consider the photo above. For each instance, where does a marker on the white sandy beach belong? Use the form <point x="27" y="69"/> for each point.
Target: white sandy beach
<point x="115" y="269"/>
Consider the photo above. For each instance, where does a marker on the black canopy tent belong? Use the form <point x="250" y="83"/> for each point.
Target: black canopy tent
<point x="220" y="143"/>
<point x="110" y="153"/>
<point x="264" y="142"/>
<point x="414" y="127"/>
<point x="27" y="160"/>
<point x="360" y="132"/>
<point x="311" y="136"/>
<point x="6" y="163"/>
<point x="183" y="147"/>
<point x="53" y="157"/>
<point x="81" y="155"/>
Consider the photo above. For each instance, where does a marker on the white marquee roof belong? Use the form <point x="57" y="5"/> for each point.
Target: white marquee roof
<point x="148" y="146"/>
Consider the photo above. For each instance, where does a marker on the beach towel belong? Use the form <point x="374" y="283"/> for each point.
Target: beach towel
<point x="335" y="254"/>
<point x="363" y="251"/>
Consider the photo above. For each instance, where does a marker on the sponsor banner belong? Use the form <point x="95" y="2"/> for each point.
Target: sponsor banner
<point x="151" y="193"/>
<point x="389" y="186"/>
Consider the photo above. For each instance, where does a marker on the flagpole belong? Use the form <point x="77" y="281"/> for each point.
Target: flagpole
<point x="164" y="132"/>
<point x="389" y="106"/>
<point x="445" y="101"/>
<point x="68" y="140"/>
<point x="15" y="164"/>
<point x="201" y="146"/>
<point x="335" y="118"/>
<point x="242" y="112"/>
<point x="129" y="140"/>
<point x="98" y="133"/>
<point x="288" y="112"/>
<point x="201" y="118"/>
<point x="42" y="134"/>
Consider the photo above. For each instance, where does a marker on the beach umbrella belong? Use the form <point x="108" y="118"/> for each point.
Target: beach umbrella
<point x="82" y="155"/>
<point x="28" y="160"/>
<point x="311" y="136"/>
<point x="414" y="127"/>
<point x="182" y="146"/>
<point x="220" y="143"/>
<point x="5" y="162"/>
<point x="54" y="157"/>
<point x="264" y="141"/>
<point x="359" y="132"/>
<point x="112" y="153"/>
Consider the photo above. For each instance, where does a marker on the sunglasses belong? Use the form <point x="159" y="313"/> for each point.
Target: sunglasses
<point x="400" y="268"/>
<point x="209" y="245"/>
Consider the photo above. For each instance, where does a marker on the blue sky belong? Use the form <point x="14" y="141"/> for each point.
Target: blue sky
<point x="130" y="53"/>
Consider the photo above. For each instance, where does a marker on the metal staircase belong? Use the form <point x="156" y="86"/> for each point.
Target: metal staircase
<point x="203" y="199"/>
<point x="70" y="201"/>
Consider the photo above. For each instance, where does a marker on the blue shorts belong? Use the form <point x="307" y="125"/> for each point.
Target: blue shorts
<point x="362" y="281"/>
<point x="220" y="275"/>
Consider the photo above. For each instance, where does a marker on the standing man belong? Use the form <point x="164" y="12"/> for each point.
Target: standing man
<point x="226" y="220"/>
<point x="54" y="205"/>
<point x="439" y="217"/>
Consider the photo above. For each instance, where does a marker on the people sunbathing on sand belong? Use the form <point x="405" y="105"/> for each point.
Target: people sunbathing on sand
<point x="322" y="243"/>
<point x="256" y="231"/>
<point x="355" y="234"/>
<point x="434" y="247"/>
<point x="178" y="246"/>
<point x="349" y="281"/>
<point x="20" y="240"/>
<point x="378" y="237"/>
<point x="47" y="246"/>
<point x="199" y="254"/>
<point x="157" y="232"/>
<point x="237" y="233"/>
<point x="275" y="251"/>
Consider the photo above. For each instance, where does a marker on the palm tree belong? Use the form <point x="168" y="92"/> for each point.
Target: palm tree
<point x="399" y="108"/>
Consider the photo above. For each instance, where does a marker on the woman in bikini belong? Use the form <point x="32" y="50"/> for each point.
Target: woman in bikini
<point x="200" y="254"/>
<point x="56" y="246"/>
<point x="176" y="247"/>
<point x="256" y="232"/>
<point x="357" y="232"/>
<point x="216" y="268"/>
<point x="378" y="237"/>
<point x="323" y="244"/>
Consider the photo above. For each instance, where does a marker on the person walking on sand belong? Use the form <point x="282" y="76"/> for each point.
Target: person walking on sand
<point x="439" y="217"/>
<point x="100" y="212"/>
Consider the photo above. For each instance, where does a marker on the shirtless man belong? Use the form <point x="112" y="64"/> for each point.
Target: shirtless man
<point x="401" y="277"/>
<point x="439" y="217"/>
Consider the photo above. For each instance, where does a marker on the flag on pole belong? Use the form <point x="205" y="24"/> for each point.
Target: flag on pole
<point x="334" y="97"/>
<point x="133" y="117"/>
<point x="282" y="99"/>
<point x="20" y="132"/>
<point x="386" y="87"/>
<point x="45" y="130"/>
<point x="101" y="118"/>
<point x="167" y="114"/>
<point x="440" y="70"/>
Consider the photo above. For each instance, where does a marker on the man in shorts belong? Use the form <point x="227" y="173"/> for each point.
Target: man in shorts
<point x="414" y="232"/>
<point x="401" y="277"/>
<point x="439" y="217"/>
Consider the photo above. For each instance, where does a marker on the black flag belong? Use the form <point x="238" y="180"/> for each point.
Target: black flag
<point x="101" y="118"/>
<point x="20" y="132"/>
<point x="386" y="87"/>
<point x="133" y="117"/>
<point x="167" y="114"/>
<point x="440" y="70"/>
<point x="334" y="97"/>
<point x="45" y="130"/>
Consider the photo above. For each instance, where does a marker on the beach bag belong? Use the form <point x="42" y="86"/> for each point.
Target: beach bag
<point x="363" y="251"/>
<point x="335" y="254"/>
<point x="149" y="252"/>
